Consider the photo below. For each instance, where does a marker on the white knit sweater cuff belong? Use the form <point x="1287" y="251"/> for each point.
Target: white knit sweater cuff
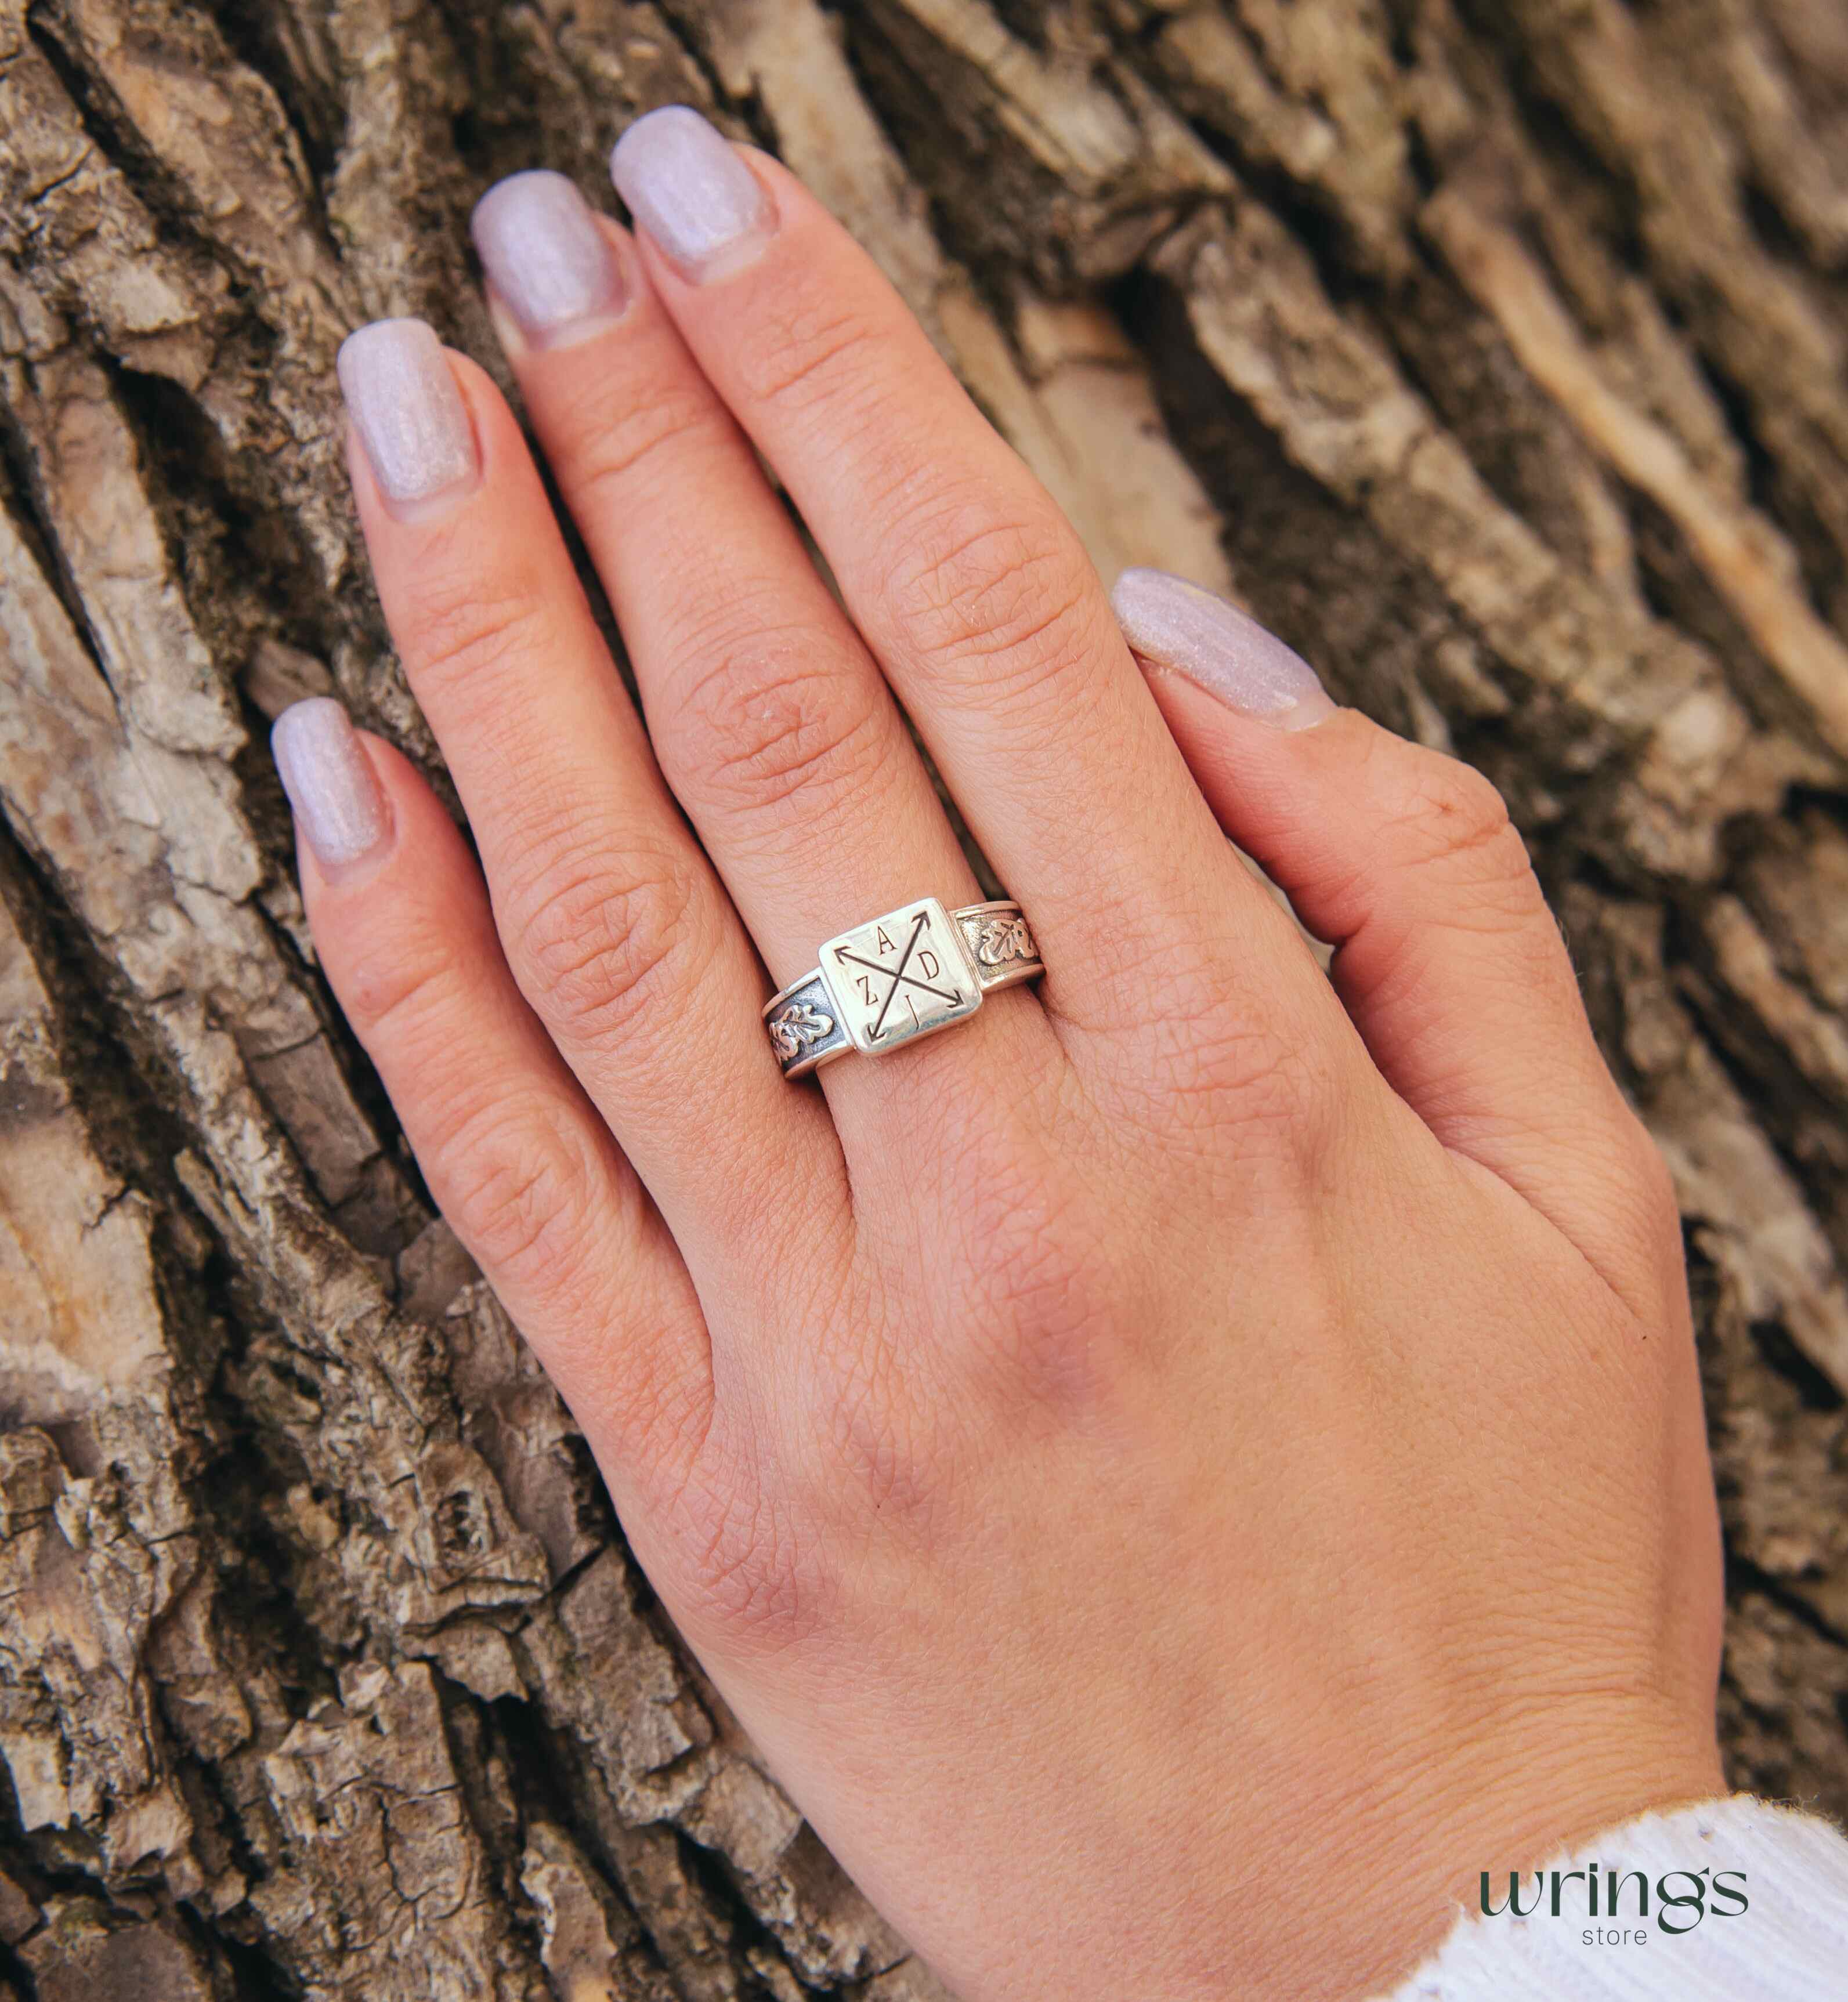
<point x="1744" y="1903"/>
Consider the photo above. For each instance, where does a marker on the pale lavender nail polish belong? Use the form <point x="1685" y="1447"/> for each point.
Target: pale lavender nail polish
<point x="338" y="804"/>
<point x="546" y="257"/>
<point x="688" y="187"/>
<point x="1175" y="624"/>
<point x="409" y="413"/>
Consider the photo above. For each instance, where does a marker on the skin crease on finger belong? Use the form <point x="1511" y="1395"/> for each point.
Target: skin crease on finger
<point x="1169" y="1554"/>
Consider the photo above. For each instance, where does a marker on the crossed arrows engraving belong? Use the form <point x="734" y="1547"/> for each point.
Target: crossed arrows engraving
<point x="897" y="974"/>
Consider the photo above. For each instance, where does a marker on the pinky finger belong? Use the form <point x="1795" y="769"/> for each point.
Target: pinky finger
<point x="515" y="1154"/>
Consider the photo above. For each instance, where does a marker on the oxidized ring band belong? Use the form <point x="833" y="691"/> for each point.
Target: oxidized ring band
<point x="908" y="973"/>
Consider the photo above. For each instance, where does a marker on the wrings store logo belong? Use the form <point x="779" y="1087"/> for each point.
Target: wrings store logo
<point x="1681" y="1900"/>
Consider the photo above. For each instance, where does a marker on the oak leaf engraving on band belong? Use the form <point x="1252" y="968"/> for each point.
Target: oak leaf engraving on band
<point x="792" y="1029"/>
<point x="999" y="939"/>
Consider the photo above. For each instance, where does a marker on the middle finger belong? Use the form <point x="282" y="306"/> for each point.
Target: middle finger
<point x="976" y="597"/>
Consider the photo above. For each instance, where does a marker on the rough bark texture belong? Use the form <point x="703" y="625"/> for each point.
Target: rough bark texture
<point x="1492" y="349"/>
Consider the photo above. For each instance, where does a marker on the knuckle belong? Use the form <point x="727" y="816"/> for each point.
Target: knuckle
<point x="597" y="933"/>
<point x="1250" y="1073"/>
<point x="778" y="720"/>
<point x="1046" y="1295"/>
<point x="1216" y="1056"/>
<point x="1004" y="602"/>
<point x="1058" y="1311"/>
<point x="747" y="1571"/>
<point x="1034" y="1272"/>
<point x="808" y="350"/>
<point x="1455" y="818"/>
<point x="394" y="985"/>
<point x="879" y="1456"/>
<point x="462" y="626"/>
<point x="624" y="439"/>
<point x="516" y="1187"/>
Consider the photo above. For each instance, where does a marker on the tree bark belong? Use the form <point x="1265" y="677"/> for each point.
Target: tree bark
<point x="1492" y="350"/>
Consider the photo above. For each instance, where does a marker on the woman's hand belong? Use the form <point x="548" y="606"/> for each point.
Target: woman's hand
<point x="1178" y="1474"/>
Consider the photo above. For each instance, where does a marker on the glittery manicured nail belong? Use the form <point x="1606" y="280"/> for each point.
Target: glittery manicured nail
<point x="338" y="805"/>
<point x="545" y="256"/>
<point x="691" y="192"/>
<point x="408" y="412"/>
<point x="1175" y="624"/>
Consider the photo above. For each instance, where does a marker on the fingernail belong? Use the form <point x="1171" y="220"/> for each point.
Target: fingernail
<point x="546" y="257"/>
<point x="408" y="412"/>
<point x="338" y="804"/>
<point x="691" y="192"/>
<point x="1218" y="648"/>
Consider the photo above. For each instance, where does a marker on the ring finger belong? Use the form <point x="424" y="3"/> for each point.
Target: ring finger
<point x="774" y="727"/>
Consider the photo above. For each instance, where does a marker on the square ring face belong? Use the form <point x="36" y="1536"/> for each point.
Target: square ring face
<point x="899" y="977"/>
